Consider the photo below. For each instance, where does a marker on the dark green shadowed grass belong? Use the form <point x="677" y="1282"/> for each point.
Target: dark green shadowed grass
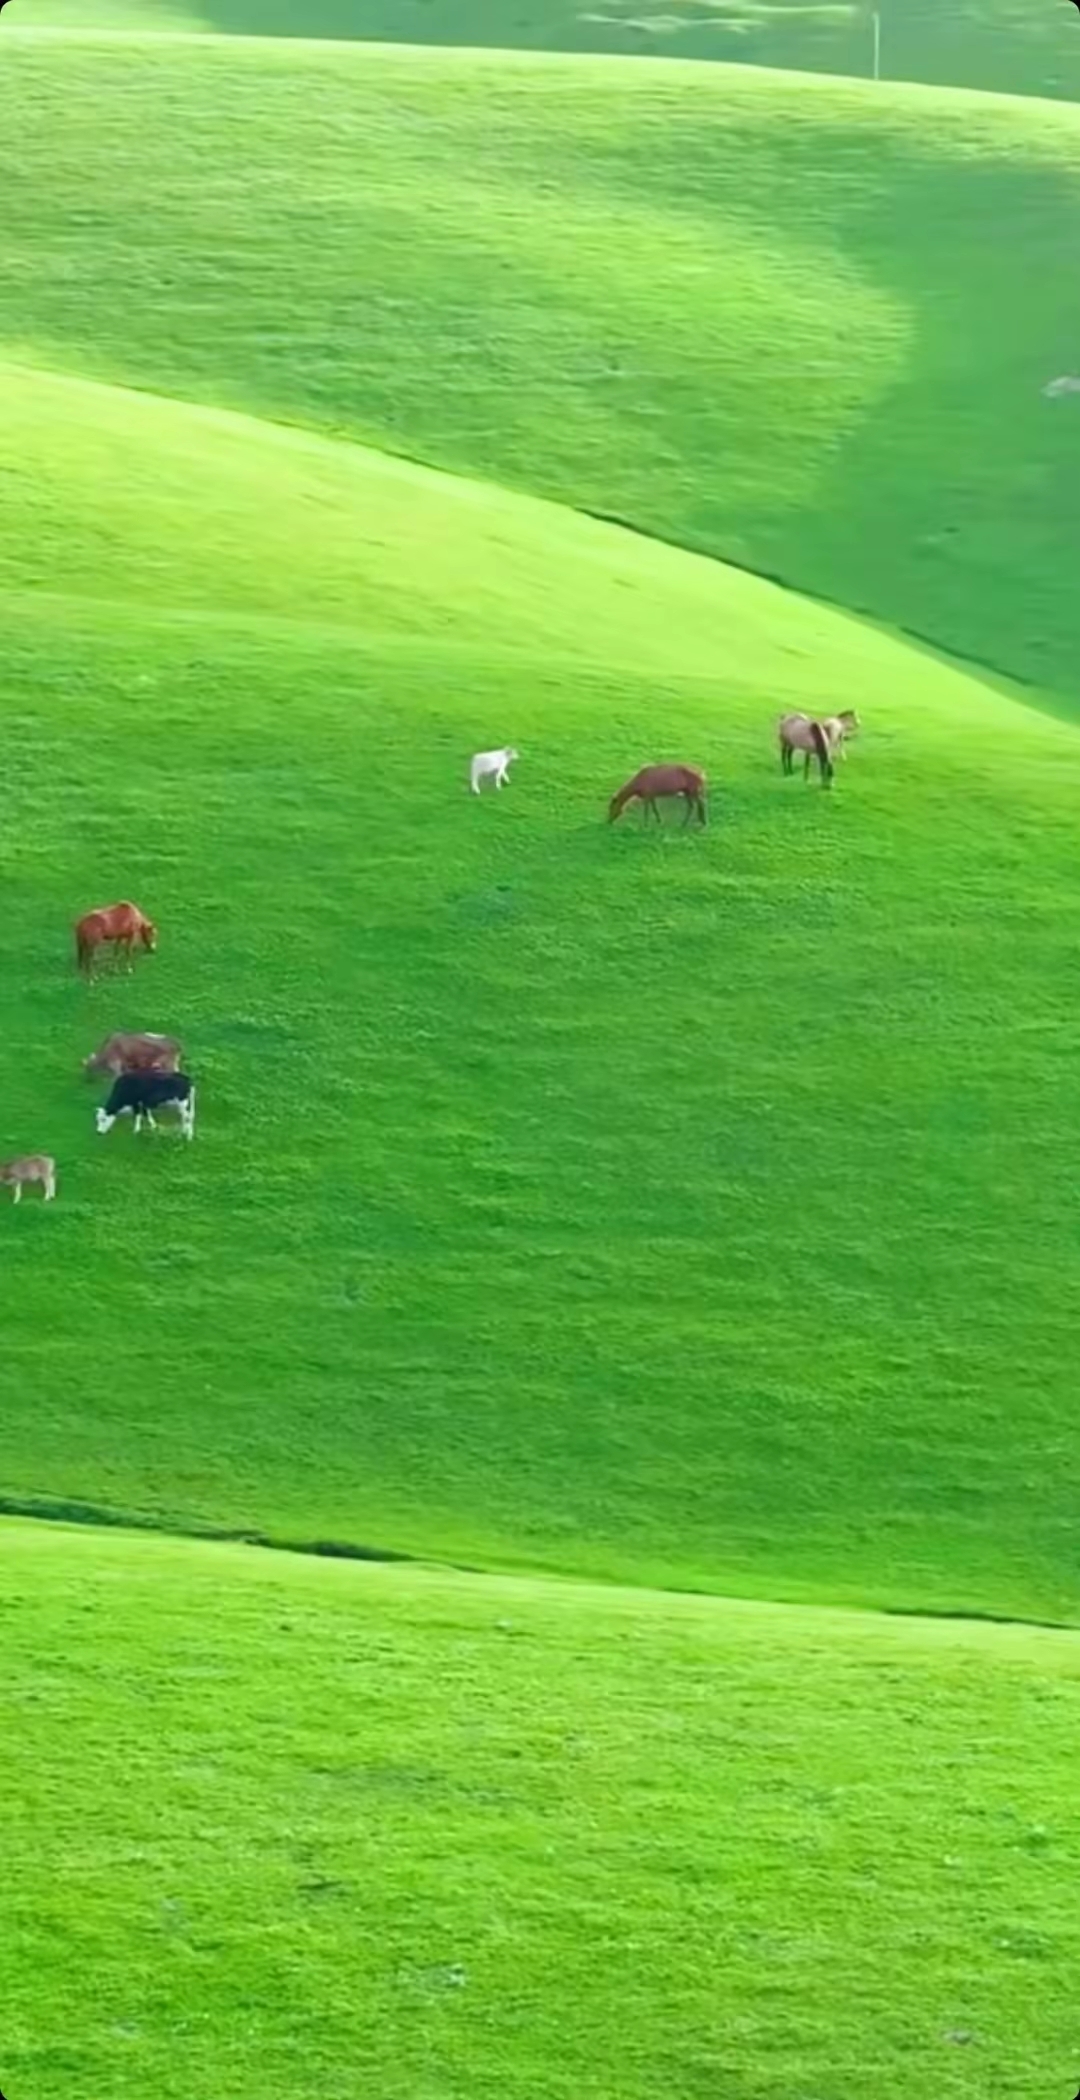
<point x="758" y="316"/>
<point x="1014" y="46"/>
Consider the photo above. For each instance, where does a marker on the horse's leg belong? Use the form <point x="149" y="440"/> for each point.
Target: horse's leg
<point x="18" y="1192"/>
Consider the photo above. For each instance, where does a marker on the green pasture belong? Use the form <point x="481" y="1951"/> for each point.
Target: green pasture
<point x="686" y="1209"/>
<point x="757" y="316"/>
<point x="1020" y="47"/>
<point x="292" y="1828"/>
<point x="577" y="1215"/>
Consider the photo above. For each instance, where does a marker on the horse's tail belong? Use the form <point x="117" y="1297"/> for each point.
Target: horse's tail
<point x="82" y="947"/>
<point x="821" y="746"/>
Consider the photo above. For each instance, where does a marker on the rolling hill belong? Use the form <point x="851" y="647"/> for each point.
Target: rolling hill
<point x="693" y="1210"/>
<point x="754" y="315"/>
<point x="651" y="1211"/>
<point x="1011" y="46"/>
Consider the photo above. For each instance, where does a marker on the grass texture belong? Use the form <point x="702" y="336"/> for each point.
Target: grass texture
<point x="291" y="1828"/>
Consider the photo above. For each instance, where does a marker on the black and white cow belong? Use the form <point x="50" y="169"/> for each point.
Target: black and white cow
<point x="139" y="1093"/>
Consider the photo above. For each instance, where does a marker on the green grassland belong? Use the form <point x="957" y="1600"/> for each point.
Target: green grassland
<point x="1021" y="47"/>
<point x="655" y="1210"/>
<point x="758" y="316"/>
<point x="292" y="1828"/>
<point x="691" y="1209"/>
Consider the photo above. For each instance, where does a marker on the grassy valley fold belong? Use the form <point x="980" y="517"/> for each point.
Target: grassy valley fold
<point x="755" y="314"/>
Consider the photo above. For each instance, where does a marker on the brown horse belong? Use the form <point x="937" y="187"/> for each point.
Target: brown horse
<point x="135" y="1053"/>
<point x="654" y="783"/>
<point x="802" y="733"/>
<point x="119" y="926"/>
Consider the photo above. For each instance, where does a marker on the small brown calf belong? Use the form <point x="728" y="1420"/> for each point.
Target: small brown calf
<point x="17" y="1173"/>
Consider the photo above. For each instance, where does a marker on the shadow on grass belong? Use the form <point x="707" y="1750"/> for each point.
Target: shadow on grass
<point x="826" y="39"/>
<point x="957" y="46"/>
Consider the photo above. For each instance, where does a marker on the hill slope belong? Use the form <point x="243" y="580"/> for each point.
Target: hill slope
<point x="755" y="315"/>
<point x="324" y="1826"/>
<point x="690" y="1207"/>
<point x="1009" y="45"/>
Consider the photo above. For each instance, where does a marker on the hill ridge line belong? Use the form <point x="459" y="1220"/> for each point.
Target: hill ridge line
<point x="246" y="41"/>
<point x="94" y="1516"/>
<point x="1012" y="684"/>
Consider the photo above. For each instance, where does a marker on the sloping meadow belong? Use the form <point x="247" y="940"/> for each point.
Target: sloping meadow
<point x="682" y="1207"/>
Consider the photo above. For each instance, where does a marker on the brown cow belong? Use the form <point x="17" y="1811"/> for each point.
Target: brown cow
<point x="135" y="1053"/>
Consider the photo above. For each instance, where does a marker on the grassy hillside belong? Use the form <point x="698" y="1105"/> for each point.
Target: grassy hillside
<point x="695" y="1208"/>
<point x="629" y="1844"/>
<point x="759" y="316"/>
<point x="684" y="1209"/>
<point x="1009" y="45"/>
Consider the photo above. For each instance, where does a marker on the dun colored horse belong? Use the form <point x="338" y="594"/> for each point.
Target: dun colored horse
<point x="18" y="1174"/>
<point x="802" y="733"/>
<point x="655" y="783"/>
<point x="119" y="926"/>
<point x="839" y="729"/>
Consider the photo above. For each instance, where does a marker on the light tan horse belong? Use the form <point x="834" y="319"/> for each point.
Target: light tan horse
<point x="803" y="733"/>
<point x="840" y="729"/>
<point x="21" y="1173"/>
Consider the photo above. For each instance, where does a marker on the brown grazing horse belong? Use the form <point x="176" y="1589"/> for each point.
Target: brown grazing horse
<point x="118" y="926"/>
<point x="654" y="783"/>
<point x="135" y="1053"/>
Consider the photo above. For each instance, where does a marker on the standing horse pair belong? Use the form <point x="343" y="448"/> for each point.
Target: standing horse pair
<point x="821" y="740"/>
